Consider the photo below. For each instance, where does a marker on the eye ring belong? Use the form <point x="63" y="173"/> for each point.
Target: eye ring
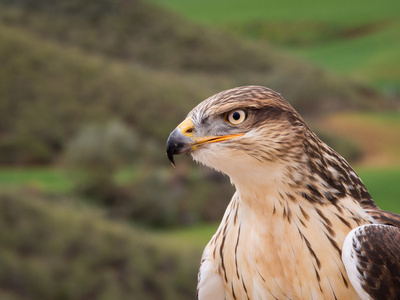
<point x="236" y="117"/>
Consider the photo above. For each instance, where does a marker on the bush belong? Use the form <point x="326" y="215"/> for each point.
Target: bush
<point x="160" y="197"/>
<point x="95" y="155"/>
<point x="180" y="197"/>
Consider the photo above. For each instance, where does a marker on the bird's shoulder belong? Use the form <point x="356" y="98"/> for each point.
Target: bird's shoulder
<point x="371" y="256"/>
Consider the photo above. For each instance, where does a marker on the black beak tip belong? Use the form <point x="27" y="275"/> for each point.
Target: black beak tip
<point x="177" y="144"/>
<point x="171" y="150"/>
<point x="170" y="156"/>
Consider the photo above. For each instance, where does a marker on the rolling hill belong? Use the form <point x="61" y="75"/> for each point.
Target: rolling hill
<point x="71" y="64"/>
<point x="357" y="38"/>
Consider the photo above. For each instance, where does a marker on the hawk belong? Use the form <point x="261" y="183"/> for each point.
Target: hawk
<point x="301" y="224"/>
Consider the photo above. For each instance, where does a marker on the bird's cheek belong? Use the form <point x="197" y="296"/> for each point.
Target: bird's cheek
<point x="207" y="154"/>
<point x="212" y="155"/>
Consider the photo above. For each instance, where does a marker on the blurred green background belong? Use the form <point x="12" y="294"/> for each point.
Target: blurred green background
<point x="90" y="207"/>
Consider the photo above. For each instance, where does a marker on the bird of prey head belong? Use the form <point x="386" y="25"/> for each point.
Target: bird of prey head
<point x="240" y="132"/>
<point x="283" y="233"/>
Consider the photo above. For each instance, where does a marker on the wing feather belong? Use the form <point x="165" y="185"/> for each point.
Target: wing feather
<point x="371" y="256"/>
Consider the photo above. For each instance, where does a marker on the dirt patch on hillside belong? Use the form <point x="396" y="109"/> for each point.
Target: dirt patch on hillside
<point x="378" y="138"/>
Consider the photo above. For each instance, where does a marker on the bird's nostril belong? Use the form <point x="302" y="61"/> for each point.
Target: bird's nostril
<point x="186" y="127"/>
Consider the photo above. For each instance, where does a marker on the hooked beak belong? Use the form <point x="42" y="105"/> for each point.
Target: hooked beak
<point x="182" y="140"/>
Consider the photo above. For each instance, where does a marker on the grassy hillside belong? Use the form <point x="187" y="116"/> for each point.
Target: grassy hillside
<point x="356" y="38"/>
<point x="51" y="251"/>
<point x="373" y="57"/>
<point x="48" y="92"/>
<point x="101" y="61"/>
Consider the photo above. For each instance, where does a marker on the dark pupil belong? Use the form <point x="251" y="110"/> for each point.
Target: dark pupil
<point x="236" y="116"/>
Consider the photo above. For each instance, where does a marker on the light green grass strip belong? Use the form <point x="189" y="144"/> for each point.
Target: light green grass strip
<point x="383" y="185"/>
<point x="47" y="179"/>
<point x="341" y="11"/>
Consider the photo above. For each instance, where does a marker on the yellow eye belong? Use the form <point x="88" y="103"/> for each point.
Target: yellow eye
<point x="236" y="117"/>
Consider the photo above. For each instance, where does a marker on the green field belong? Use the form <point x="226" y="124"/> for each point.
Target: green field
<point x="383" y="185"/>
<point x="382" y="182"/>
<point x="218" y="12"/>
<point x="48" y="179"/>
<point x="373" y="58"/>
<point x="43" y="179"/>
<point x="356" y="38"/>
